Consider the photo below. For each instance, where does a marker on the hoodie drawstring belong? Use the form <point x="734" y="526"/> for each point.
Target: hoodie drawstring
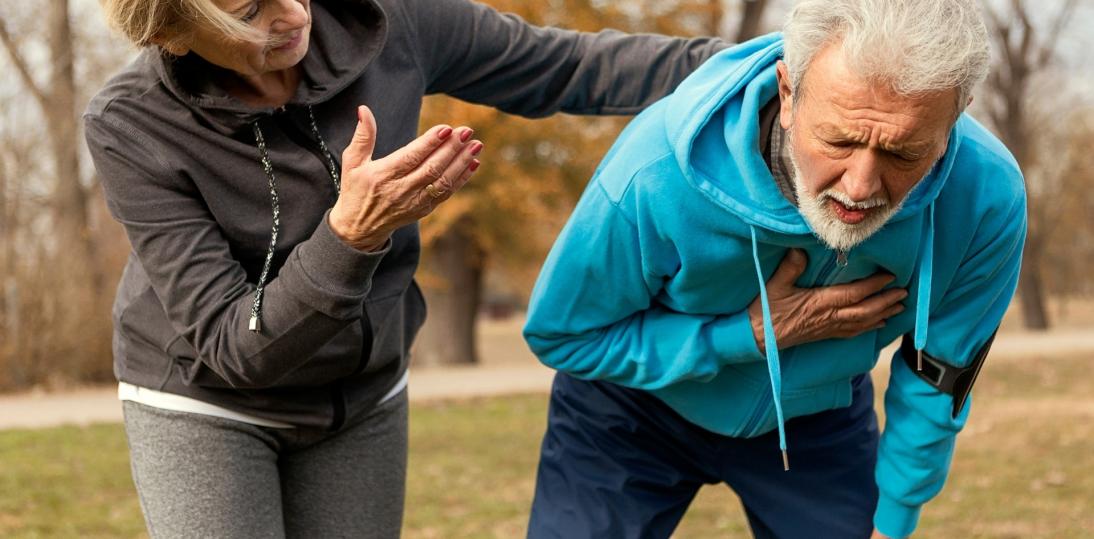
<point x="255" y="324"/>
<point x="923" y="303"/>
<point x="923" y="295"/>
<point x="774" y="370"/>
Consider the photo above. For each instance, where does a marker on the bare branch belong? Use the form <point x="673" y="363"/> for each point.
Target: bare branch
<point x="22" y="67"/>
<point x="993" y="18"/>
<point x="1053" y="35"/>
<point x="1027" y="32"/>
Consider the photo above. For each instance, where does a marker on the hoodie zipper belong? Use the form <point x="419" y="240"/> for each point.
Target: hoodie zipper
<point x="833" y="267"/>
<point x="285" y="120"/>
<point x="758" y="412"/>
<point x="301" y="136"/>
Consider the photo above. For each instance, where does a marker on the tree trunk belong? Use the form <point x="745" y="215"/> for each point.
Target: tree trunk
<point x="1023" y="55"/>
<point x="448" y="336"/>
<point x="70" y="197"/>
<point x="7" y="239"/>
<point x="1030" y="288"/>
<point x="752" y="15"/>
<point x="717" y="13"/>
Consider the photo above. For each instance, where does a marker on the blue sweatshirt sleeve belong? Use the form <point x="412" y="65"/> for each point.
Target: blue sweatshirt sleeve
<point x="594" y="312"/>
<point x="920" y="432"/>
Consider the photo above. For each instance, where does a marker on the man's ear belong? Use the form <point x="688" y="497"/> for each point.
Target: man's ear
<point x="786" y="95"/>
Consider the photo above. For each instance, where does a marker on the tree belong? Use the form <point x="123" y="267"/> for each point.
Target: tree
<point x="509" y="212"/>
<point x="1024" y="53"/>
<point x="1069" y="178"/>
<point x="751" y="21"/>
<point x="56" y="98"/>
<point x="508" y="216"/>
<point x="54" y="309"/>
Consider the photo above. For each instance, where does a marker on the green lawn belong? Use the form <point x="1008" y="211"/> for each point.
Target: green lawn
<point x="1024" y="469"/>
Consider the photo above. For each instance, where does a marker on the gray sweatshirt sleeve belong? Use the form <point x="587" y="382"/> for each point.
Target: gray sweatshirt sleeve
<point x="472" y="52"/>
<point x="203" y="289"/>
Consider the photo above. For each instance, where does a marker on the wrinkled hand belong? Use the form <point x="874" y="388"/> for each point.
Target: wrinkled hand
<point x="802" y="315"/>
<point x="381" y="196"/>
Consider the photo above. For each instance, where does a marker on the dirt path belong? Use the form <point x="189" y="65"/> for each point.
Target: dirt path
<point x="508" y="368"/>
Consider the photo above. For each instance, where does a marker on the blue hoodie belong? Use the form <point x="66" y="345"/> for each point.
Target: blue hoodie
<point x="649" y="283"/>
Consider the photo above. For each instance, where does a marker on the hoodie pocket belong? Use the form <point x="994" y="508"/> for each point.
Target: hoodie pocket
<point x="337" y="359"/>
<point x="824" y="362"/>
<point x="733" y="403"/>
<point x="146" y="335"/>
<point x="387" y="318"/>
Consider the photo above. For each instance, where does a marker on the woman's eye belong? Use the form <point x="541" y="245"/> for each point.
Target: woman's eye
<point x="250" y="16"/>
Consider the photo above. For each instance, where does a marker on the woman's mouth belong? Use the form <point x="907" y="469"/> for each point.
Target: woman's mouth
<point x="292" y="43"/>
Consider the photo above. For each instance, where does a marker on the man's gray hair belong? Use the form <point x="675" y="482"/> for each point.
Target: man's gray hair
<point x="914" y="46"/>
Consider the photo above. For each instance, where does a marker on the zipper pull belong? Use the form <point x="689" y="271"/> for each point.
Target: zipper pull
<point x="841" y="258"/>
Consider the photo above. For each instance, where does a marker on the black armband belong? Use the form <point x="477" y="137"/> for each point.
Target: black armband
<point x="954" y="381"/>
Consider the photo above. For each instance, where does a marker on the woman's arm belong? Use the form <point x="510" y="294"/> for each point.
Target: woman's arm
<point x="474" y="53"/>
<point x="318" y="291"/>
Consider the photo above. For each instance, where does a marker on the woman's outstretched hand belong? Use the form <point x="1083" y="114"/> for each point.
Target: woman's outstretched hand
<point x="381" y="196"/>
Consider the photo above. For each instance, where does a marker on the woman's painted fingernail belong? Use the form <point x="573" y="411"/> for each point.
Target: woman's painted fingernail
<point x="476" y="148"/>
<point x="466" y="135"/>
<point x="444" y="133"/>
<point x="474" y="165"/>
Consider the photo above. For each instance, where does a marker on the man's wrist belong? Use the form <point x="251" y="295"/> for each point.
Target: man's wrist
<point x="894" y="519"/>
<point x="756" y="322"/>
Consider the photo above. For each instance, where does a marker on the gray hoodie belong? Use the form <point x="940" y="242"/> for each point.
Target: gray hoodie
<point x="181" y="171"/>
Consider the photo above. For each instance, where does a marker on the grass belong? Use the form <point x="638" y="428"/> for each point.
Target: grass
<point x="1022" y="470"/>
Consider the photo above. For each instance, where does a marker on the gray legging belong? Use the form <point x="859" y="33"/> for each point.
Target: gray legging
<point x="204" y="476"/>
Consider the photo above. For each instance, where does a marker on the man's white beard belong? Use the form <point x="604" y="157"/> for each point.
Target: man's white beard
<point x="818" y="212"/>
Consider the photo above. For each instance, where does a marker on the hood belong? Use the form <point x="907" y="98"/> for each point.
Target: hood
<point x="345" y="37"/>
<point x="714" y="114"/>
<point x="712" y="124"/>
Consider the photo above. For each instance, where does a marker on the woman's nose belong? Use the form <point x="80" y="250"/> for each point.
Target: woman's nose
<point x="292" y="14"/>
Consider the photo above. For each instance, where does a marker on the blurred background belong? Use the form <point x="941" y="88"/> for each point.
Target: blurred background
<point x="61" y="256"/>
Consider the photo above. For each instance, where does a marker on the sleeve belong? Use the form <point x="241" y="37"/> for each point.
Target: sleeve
<point x="203" y="289"/>
<point x="472" y="52"/>
<point x="593" y="311"/>
<point x="920" y="432"/>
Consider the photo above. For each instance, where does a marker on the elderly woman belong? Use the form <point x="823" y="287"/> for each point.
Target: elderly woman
<point x="263" y="320"/>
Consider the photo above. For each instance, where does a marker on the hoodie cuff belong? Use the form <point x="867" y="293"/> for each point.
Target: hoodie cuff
<point x="894" y="519"/>
<point x="731" y="338"/>
<point x="332" y="277"/>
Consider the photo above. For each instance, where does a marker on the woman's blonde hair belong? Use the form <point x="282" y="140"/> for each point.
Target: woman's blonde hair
<point x="170" y="22"/>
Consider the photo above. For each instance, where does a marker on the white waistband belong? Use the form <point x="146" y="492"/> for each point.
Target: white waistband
<point x="179" y="403"/>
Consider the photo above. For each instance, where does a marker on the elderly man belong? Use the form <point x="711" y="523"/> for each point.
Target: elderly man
<point x="742" y="256"/>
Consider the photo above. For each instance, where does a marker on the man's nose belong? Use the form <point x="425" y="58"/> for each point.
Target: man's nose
<point x="862" y="178"/>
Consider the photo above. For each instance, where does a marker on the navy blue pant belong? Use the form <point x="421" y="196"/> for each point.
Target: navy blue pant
<point x="618" y="462"/>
